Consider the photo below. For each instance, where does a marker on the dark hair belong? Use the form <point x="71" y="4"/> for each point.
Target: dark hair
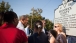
<point x="38" y="24"/>
<point x="1" y="17"/>
<point x="54" y="33"/>
<point x="9" y="16"/>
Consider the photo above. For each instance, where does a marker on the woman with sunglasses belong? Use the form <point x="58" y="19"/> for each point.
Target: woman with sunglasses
<point x="61" y="37"/>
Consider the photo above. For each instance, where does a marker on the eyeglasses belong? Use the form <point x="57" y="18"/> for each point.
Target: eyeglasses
<point x="56" y="26"/>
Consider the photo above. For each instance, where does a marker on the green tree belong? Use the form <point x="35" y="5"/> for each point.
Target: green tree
<point x="4" y="6"/>
<point x="36" y="15"/>
<point x="49" y="24"/>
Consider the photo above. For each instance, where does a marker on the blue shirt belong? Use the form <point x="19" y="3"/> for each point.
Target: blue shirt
<point x="27" y="31"/>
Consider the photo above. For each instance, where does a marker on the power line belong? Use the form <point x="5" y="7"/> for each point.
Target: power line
<point x="46" y="4"/>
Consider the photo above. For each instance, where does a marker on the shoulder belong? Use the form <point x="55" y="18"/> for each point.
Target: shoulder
<point x="63" y="34"/>
<point x="44" y="35"/>
<point x="61" y="38"/>
<point x="21" y="34"/>
<point x="21" y="27"/>
<point x="52" y="40"/>
<point x="31" y="39"/>
<point x="20" y="24"/>
<point x="20" y="31"/>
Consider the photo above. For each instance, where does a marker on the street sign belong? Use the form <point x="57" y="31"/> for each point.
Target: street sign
<point x="66" y="15"/>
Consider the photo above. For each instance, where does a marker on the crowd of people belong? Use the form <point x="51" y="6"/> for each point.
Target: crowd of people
<point x="13" y="30"/>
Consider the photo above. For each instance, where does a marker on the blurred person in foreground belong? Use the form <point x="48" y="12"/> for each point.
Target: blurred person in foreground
<point x="1" y="18"/>
<point x="38" y="36"/>
<point x="8" y="31"/>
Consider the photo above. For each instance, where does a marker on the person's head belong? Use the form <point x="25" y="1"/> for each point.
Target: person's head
<point x="58" y="27"/>
<point x="10" y="17"/>
<point x="38" y="26"/>
<point x="54" y="33"/>
<point x="1" y="15"/>
<point x="1" y="18"/>
<point x="43" y="21"/>
<point x="24" y="19"/>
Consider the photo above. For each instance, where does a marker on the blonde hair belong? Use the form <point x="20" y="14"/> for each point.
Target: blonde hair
<point x="60" y="29"/>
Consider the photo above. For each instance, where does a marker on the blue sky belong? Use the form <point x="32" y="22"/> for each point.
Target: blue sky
<point x="22" y="7"/>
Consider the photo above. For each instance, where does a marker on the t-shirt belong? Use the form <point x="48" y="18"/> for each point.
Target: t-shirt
<point x="10" y="34"/>
<point x="38" y="38"/>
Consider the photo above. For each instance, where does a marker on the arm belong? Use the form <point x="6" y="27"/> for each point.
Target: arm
<point x="63" y="34"/>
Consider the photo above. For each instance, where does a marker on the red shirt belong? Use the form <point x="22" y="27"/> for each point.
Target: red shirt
<point x="10" y="34"/>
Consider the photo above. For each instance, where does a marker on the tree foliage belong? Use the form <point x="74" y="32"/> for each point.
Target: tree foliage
<point x="36" y="15"/>
<point x="4" y="6"/>
<point x="49" y="24"/>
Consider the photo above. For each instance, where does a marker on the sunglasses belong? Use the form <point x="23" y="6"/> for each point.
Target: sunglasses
<point x="56" y="26"/>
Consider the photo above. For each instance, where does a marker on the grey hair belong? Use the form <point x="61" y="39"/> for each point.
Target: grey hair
<point x="23" y="17"/>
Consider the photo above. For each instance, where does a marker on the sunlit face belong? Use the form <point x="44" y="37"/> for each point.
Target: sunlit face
<point x="44" y="23"/>
<point x="25" y="21"/>
<point x="57" y="27"/>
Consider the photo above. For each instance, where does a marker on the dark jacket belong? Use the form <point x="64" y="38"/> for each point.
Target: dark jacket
<point x="38" y="38"/>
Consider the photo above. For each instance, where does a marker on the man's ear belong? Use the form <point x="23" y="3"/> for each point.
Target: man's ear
<point x="16" y="20"/>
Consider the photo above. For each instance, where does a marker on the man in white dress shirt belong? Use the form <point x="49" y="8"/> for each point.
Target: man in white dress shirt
<point x="23" y="20"/>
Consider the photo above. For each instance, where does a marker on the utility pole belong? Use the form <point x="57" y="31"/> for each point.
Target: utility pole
<point x="32" y="16"/>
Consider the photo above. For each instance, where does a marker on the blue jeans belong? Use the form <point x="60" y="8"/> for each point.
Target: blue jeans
<point x="71" y="39"/>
